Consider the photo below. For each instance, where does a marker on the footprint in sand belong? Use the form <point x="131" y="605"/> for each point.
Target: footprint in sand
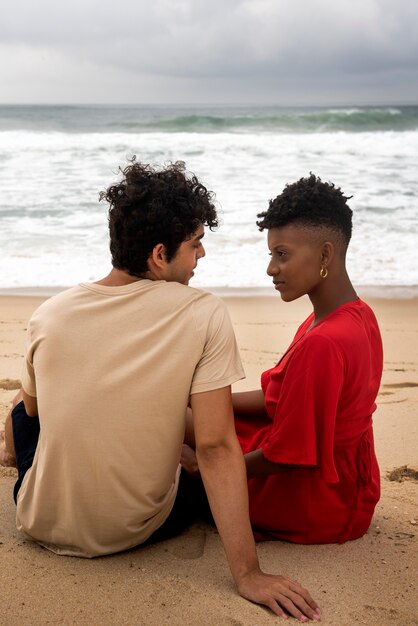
<point x="400" y="385"/>
<point x="395" y="386"/>
<point x="191" y="545"/>
<point x="8" y="472"/>
<point x="9" y="383"/>
<point x="383" y="615"/>
<point x="399" y="474"/>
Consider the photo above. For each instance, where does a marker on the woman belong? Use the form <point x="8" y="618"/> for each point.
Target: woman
<point x="307" y="433"/>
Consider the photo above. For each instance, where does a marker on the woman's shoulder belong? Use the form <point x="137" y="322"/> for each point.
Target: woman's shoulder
<point x="349" y="326"/>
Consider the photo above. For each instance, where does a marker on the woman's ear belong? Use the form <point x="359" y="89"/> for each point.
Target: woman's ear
<point x="328" y="253"/>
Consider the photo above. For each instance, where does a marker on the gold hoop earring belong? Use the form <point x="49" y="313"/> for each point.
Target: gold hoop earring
<point x="323" y="272"/>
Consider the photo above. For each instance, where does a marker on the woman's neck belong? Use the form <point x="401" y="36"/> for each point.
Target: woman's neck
<point x="331" y="295"/>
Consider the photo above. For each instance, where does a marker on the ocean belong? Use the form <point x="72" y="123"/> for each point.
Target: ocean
<point x="54" y="161"/>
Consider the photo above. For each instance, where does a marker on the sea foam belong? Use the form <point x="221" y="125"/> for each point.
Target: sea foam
<point x="54" y="162"/>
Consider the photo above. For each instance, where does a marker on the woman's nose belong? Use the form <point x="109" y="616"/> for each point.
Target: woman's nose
<point x="271" y="269"/>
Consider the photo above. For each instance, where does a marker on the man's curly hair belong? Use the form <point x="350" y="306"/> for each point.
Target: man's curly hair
<point x="150" y="206"/>
<point x="310" y="202"/>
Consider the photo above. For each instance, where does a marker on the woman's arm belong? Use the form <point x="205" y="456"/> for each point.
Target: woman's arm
<point x="244" y="403"/>
<point x="257" y="465"/>
<point x="248" y="403"/>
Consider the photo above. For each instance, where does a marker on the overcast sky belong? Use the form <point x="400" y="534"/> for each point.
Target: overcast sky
<point x="209" y="51"/>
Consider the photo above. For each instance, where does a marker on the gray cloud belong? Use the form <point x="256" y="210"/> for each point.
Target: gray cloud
<point x="193" y="49"/>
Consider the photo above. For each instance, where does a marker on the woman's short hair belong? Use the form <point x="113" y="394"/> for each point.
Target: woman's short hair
<point x="310" y="202"/>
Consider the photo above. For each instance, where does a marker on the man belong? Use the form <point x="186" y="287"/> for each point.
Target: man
<point x="110" y="369"/>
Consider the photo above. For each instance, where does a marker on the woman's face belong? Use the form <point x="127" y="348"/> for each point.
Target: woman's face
<point x="297" y="255"/>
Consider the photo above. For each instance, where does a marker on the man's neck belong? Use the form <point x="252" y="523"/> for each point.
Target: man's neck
<point x="118" y="278"/>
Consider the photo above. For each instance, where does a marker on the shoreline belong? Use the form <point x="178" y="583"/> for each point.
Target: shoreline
<point x="384" y="292"/>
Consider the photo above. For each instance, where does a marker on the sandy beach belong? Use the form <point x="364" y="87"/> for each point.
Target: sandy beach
<point x="186" y="580"/>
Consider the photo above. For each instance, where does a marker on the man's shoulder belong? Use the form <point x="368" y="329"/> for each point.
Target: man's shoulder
<point x="194" y="295"/>
<point x="57" y="308"/>
<point x="161" y="298"/>
<point x="59" y="299"/>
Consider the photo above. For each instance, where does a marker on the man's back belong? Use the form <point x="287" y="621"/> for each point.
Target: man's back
<point x="114" y="370"/>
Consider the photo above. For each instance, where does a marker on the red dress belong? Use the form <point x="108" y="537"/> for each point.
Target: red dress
<point x="319" y="401"/>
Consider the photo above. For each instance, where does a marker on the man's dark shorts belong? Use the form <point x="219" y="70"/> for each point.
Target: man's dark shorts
<point x="25" y="435"/>
<point x="191" y="503"/>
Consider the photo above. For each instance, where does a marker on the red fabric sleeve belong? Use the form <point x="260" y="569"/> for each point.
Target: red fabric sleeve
<point x="306" y="389"/>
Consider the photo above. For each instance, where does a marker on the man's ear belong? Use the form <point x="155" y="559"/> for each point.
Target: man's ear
<point x="158" y="256"/>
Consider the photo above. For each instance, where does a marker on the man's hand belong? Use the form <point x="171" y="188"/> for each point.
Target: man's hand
<point x="280" y="594"/>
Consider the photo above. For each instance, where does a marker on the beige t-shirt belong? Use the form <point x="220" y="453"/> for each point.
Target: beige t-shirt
<point x="112" y="369"/>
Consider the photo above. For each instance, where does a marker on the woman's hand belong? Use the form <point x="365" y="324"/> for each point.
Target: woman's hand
<point x="188" y="461"/>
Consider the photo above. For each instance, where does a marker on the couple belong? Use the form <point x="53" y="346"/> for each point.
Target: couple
<point x="111" y="367"/>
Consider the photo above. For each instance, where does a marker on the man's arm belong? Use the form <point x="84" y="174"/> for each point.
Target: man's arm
<point x="223" y="472"/>
<point x="31" y="404"/>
